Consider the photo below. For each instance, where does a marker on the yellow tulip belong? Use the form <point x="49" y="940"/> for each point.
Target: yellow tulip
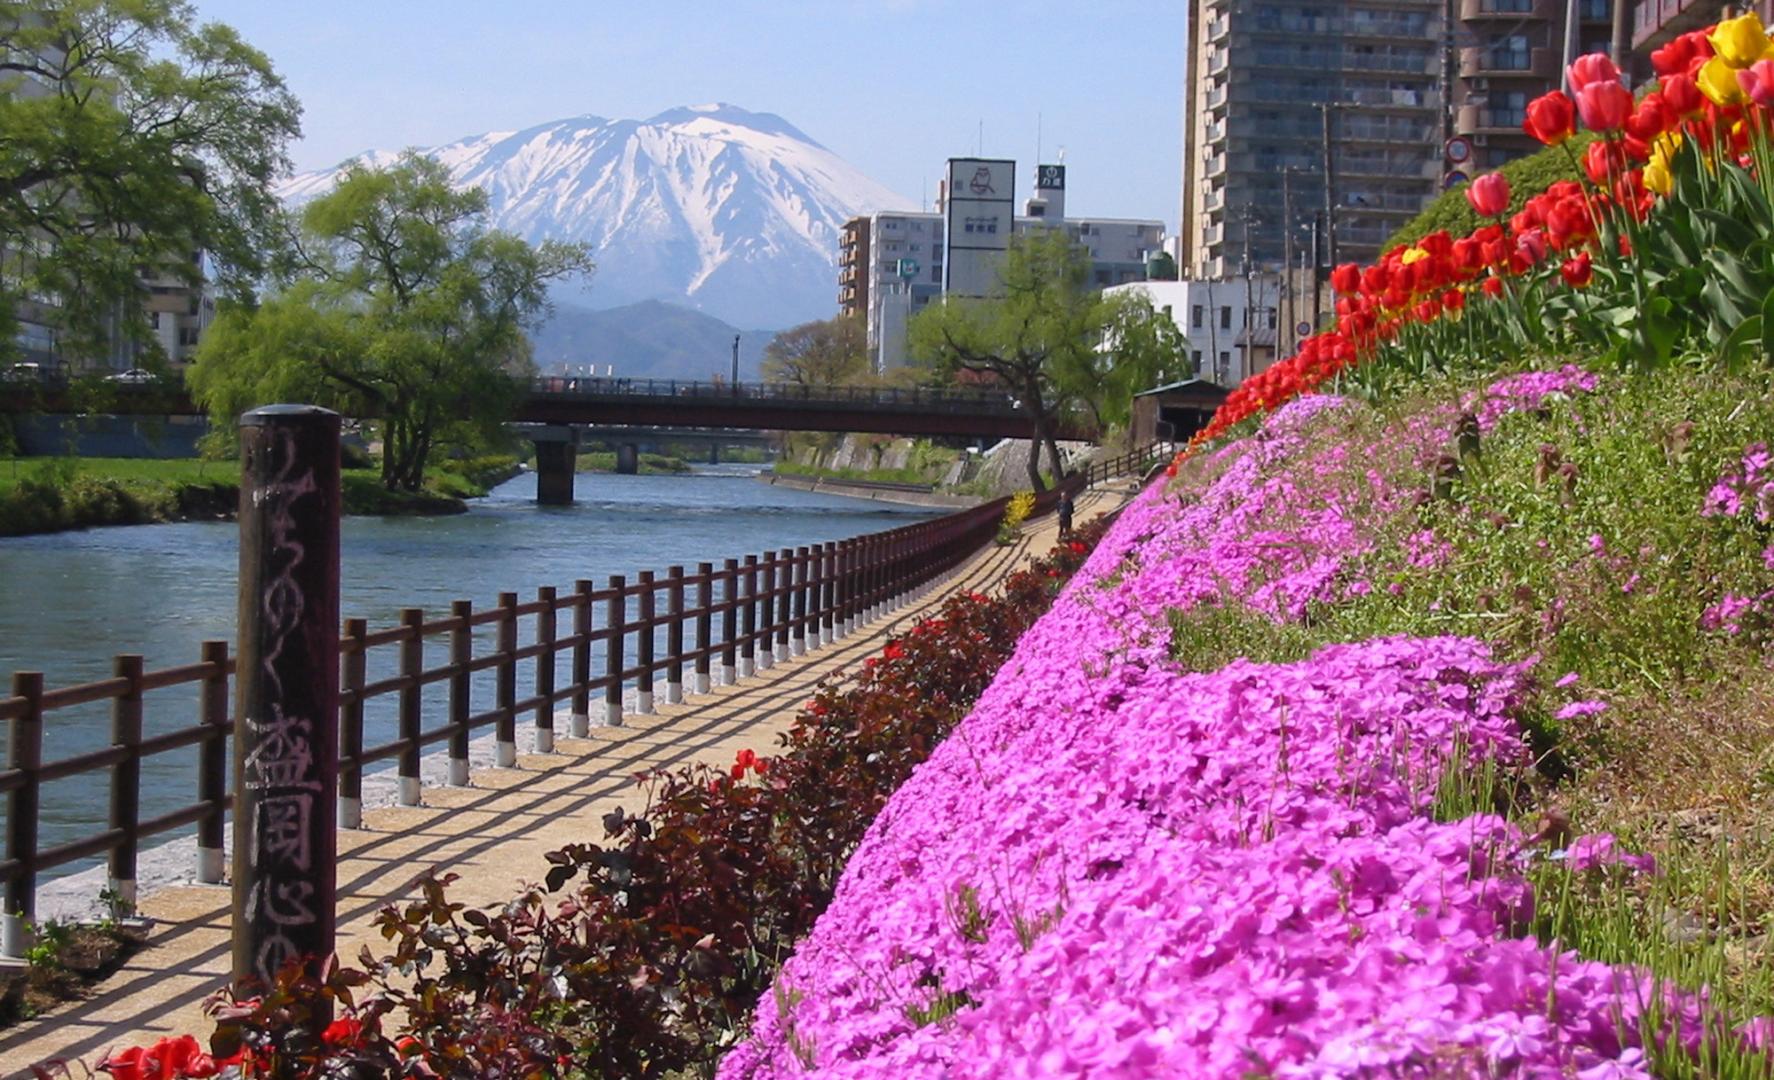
<point x="1658" y="177"/>
<point x="1739" y="42"/>
<point x="1413" y="255"/>
<point x="1718" y="81"/>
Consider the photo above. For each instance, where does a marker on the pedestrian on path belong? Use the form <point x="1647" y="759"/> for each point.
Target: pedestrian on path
<point x="1065" y="514"/>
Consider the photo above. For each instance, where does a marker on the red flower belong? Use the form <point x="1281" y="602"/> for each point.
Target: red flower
<point x="1453" y="300"/>
<point x="1577" y="270"/>
<point x="344" y="1030"/>
<point x="1673" y="58"/>
<point x="1493" y="286"/>
<point x="1346" y="278"/>
<point x="1603" y="105"/>
<point x="893" y="651"/>
<point x="1599" y="158"/>
<point x="1757" y="81"/>
<point x="1551" y="118"/>
<point x="1592" y="69"/>
<point x="1682" y="94"/>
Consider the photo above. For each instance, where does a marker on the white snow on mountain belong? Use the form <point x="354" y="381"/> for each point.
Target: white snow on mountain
<point x="733" y="212"/>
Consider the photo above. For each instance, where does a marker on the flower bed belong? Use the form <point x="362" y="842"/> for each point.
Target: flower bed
<point x="644" y="953"/>
<point x="1118" y="867"/>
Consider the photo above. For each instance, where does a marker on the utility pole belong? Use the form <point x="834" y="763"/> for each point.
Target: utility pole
<point x="1621" y="45"/>
<point x="1287" y="258"/>
<point x="1317" y="278"/>
<point x="1330" y="186"/>
<point x="1447" y="71"/>
<point x="736" y="363"/>
<point x="1244" y="357"/>
<point x="1572" y="14"/>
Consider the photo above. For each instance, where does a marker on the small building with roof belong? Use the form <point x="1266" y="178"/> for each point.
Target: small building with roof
<point x="1174" y="411"/>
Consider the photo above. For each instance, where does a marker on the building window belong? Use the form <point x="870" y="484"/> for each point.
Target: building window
<point x="1270" y="314"/>
<point x="1594" y="10"/>
<point x="1196" y="359"/>
<point x="1508" y="109"/>
<point x="1510" y="7"/>
<point x="1102" y="277"/>
<point x="1225" y="361"/>
<point x="1195" y="319"/>
<point x="1225" y="319"/>
<point x="1510" y="53"/>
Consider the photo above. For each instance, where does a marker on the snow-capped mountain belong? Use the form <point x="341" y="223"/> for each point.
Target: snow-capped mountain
<point x="733" y="212"/>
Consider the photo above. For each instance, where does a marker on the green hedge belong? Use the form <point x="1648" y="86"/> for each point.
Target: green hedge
<point x="1527" y="177"/>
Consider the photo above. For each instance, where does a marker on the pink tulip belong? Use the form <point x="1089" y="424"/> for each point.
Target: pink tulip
<point x="1592" y="68"/>
<point x="1757" y="81"/>
<point x="1489" y="194"/>
<point x="1604" y="106"/>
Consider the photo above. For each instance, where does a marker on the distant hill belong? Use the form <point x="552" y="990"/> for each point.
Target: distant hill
<point x="648" y="340"/>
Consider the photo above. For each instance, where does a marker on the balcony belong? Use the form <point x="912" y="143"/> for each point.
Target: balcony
<point x="1217" y="29"/>
<point x="1216" y="97"/>
<point x="1510" y="11"/>
<point x="1500" y="63"/>
<point x="1392" y="99"/>
<point x="1215" y="200"/>
<point x="1216" y="166"/>
<point x="1657" y="21"/>
<point x="1218" y="61"/>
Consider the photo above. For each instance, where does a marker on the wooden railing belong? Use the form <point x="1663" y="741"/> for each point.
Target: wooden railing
<point x="1135" y="461"/>
<point x="690" y="629"/>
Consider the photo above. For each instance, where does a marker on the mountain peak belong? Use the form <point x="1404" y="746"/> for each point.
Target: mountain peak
<point x="722" y="112"/>
<point x="730" y="211"/>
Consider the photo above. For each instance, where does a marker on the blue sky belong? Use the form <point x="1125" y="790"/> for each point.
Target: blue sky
<point x="895" y="86"/>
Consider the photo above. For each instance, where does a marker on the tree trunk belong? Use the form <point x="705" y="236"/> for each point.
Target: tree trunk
<point x="1053" y="458"/>
<point x="1035" y="483"/>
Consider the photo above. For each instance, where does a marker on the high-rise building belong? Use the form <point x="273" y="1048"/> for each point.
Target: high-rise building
<point x="1511" y="52"/>
<point x="1268" y="81"/>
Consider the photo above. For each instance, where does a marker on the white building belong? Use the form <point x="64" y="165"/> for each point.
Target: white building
<point x="890" y="265"/>
<point x="1232" y="325"/>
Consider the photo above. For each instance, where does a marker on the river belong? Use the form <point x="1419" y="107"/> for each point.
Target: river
<point x="70" y="601"/>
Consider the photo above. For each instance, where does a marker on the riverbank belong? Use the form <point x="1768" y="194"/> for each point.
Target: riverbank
<point x="879" y="491"/>
<point x="47" y="495"/>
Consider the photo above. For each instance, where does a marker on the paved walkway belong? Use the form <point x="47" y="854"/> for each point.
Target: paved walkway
<point x="493" y="833"/>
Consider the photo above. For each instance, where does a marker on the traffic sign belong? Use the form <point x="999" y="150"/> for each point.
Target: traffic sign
<point x="1458" y="150"/>
<point x="908" y="269"/>
<point x="1303" y="329"/>
<point x="1453" y="178"/>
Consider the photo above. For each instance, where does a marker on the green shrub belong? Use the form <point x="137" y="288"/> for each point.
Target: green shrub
<point x="1527" y="177"/>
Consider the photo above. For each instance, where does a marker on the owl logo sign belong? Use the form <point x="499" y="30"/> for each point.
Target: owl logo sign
<point x="981" y="184"/>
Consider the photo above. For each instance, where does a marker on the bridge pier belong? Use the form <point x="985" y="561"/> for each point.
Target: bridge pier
<point x="556" y="464"/>
<point x="714" y="453"/>
<point x="628" y="459"/>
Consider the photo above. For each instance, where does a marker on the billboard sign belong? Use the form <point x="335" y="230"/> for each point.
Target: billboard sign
<point x="981" y="210"/>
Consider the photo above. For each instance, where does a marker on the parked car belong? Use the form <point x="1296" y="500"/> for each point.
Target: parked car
<point x="133" y="375"/>
<point x="27" y="372"/>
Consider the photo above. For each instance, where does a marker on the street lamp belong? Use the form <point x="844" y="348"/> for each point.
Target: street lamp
<point x="735" y="363"/>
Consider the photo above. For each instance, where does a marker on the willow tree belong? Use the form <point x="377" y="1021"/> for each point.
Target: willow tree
<point x="1046" y="319"/>
<point x="132" y="140"/>
<point x="403" y="307"/>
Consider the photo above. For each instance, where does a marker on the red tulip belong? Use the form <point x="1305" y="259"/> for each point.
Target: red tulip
<point x="1673" y="58"/>
<point x="1493" y="286"/>
<point x="1600" y="158"/>
<point x="1551" y="118"/>
<point x="1489" y="194"/>
<point x="1592" y="69"/>
<point x="1577" y="270"/>
<point x="1346" y="278"/>
<point x="1604" y="106"/>
<point x="1532" y="245"/>
<point x="1681" y="94"/>
<point x="1453" y="300"/>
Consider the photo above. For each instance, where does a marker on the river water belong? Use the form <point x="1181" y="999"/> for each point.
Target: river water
<point x="69" y="602"/>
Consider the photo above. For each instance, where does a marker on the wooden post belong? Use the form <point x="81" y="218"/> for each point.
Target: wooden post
<point x="581" y="720"/>
<point x="798" y="637"/>
<point x="828" y="577"/>
<point x="286" y="736"/>
<point x="545" y="634"/>
<point x="705" y="602"/>
<point x="353" y="677"/>
<point x="765" y="652"/>
<point x="461" y="689"/>
<point x="616" y="622"/>
<point x="785" y="594"/>
<point x="674" y="635"/>
<point x="748" y="615"/>
<point x="730" y="623"/>
<point x="24" y="752"/>
<point x="412" y="665"/>
<point x="212" y="763"/>
<point x="643" y="646"/>
<point x="505" y="684"/>
<point x="126" y="777"/>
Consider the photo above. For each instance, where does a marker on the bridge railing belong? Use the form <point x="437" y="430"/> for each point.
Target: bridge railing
<point x="907" y="397"/>
<point x="583" y="648"/>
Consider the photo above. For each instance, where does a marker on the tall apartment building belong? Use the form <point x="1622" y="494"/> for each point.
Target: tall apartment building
<point x="1656" y="22"/>
<point x="1262" y="75"/>
<point x="1511" y="52"/>
<point x="892" y="264"/>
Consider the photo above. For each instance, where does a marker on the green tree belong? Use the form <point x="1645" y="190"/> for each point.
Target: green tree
<point x="827" y="352"/>
<point x="405" y="308"/>
<point x="1138" y="347"/>
<point x="1042" y="326"/>
<point x="134" y="142"/>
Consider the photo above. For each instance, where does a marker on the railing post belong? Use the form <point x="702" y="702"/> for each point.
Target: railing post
<point x="126" y="777"/>
<point x="286" y="740"/>
<point x="643" y="646"/>
<point x="212" y="762"/>
<point x="765" y="650"/>
<point x="847" y="588"/>
<point x="705" y="594"/>
<point x="674" y="635"/>
<point x="748" y="615"/>
<point x="461" y="687"/>
<point x="25" y="754"/>
<point x="785" y="593"/>
<point x="355" y="664"/>
<point x="505" y="684"/>
<point x="730" y="623"/>
<point x="545" y="633"/>
<point x="616" y="626"/>
<point x="797" y="645"/>
<point x="581" y="721"/>
<point x="412" y="666"/>
<point x="828" y="591"/>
